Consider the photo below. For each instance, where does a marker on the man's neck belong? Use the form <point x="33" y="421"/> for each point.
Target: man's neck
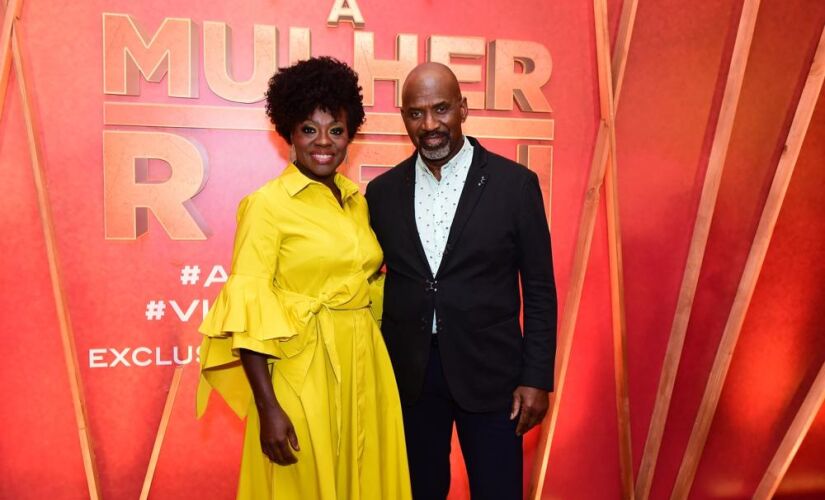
<point x="434" y="169"/>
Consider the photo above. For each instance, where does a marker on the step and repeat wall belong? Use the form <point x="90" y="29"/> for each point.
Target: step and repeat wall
<point x="131" y="130"/>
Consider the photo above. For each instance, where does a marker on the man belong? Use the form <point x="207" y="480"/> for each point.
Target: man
<point x="460" y="226"/>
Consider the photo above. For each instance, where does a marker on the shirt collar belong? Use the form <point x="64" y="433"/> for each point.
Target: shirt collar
<point x="465" y="147"/>
<point x="295" y="182"/>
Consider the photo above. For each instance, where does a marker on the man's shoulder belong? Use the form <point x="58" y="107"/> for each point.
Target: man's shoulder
<point x="389" y="178"/>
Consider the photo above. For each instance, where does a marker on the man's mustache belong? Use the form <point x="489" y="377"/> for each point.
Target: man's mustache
<point x="434" y="135"/>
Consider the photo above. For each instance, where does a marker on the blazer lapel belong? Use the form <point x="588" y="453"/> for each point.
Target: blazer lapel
<point x="477" y="179"/>
<point x="407" y="199"/>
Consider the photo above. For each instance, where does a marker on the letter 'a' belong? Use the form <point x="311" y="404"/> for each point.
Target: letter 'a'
<point x="345" y="10"/>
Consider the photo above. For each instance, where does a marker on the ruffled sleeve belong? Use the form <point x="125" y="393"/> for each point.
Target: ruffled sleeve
<point x="246" y="314"/>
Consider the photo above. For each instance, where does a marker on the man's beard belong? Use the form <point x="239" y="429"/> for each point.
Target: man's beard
<point x="438" y="153"/>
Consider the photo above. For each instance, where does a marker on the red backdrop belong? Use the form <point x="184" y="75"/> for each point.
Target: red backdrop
<point x="677" y="64"/>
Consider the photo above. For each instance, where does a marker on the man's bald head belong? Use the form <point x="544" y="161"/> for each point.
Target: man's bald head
<point x="433" y="111"/>
<point x="430" y="75"/>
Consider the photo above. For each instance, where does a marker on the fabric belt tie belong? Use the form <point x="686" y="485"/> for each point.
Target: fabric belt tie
<point x="312" y="319"/>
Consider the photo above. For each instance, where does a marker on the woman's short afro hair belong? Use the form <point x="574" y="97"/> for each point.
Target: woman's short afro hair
<point x="295" y="92"/>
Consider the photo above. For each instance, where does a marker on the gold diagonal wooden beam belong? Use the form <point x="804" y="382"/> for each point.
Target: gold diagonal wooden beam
<point x="617" y="302"/>
<point x="622" y="48"/>
<point x="604" y="70"/>
<point x="616" y="263"/>
<point x="750" y="276"/>
<point x="619" y="327"/>
<point x="64" y="320"/>
<point x="164" y="424"/>
<point x="10" y="14"/>
<point x="605" y="142"/>
<point x="572" y="300"/>
<point x="793" y="439"/>
<point x="696" y="253"/>
<point x="614" y="238"/>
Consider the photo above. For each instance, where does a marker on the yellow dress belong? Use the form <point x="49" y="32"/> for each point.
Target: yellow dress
<point x="301" y="290"/>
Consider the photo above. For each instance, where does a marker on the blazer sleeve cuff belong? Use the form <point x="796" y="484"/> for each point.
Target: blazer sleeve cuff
<point x="538" y="378"/>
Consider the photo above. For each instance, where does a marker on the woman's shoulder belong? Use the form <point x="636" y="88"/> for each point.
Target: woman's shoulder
<point x="265" y="199"/>
<point x="271" y="191"/>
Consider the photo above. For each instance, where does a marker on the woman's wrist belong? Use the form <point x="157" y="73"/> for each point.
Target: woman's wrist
<point x="267" y="406"/>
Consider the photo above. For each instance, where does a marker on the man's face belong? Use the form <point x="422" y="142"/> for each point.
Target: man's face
<point x="433" y="111"/>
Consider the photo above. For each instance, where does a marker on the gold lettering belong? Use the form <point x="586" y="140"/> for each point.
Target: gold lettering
<point x="127" y="54"/>
<point x="443" y="48"/>
<point x="539" y="159"/>
<point x="504" y="83"/>
<point x="345" y="10"/>
<point x="128" y="196"/>
<point x="300" y="45"/>
<point x="370" y="69"/>
<point x="217" y="47"/>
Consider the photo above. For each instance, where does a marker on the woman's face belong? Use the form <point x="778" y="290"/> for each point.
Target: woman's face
<point x="320" y="144"/>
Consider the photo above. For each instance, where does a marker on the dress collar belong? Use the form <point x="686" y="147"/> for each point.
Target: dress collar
<point x="295" y="182"/>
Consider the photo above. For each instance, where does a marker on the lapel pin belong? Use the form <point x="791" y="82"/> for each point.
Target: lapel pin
<point x="482" y="180"/>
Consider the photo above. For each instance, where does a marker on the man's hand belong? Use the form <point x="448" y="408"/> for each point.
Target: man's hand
<point x="278" y="437"/>
<point x="532" y="403"/>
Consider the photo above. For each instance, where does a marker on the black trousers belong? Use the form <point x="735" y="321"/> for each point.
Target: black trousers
<point x="491" y="449"/>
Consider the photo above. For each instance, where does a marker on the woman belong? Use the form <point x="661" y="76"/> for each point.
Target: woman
<point x="290" y="341"/>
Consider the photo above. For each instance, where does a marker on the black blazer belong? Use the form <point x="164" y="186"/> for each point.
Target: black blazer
<point x="499" y="234"/>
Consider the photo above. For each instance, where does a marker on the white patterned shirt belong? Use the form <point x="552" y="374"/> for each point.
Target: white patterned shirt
<point x="436" y="202"/>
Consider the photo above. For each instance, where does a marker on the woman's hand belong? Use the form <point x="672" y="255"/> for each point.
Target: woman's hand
<point x="278" y="437"/>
